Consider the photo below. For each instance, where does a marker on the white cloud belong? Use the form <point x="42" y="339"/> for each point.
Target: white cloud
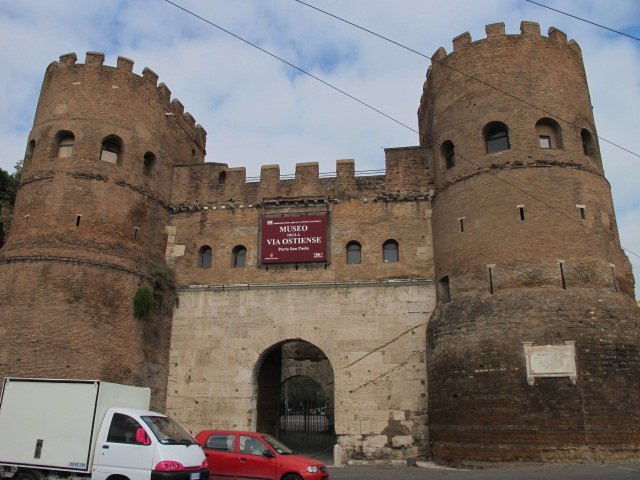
<point x="258" y="111"/>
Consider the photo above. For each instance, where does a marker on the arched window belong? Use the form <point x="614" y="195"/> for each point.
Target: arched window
<point x="239" y="256"/>
<point x="111" y="149"/>
<point x="443" y="291"/>
<point x="64" y="144"/>
<point x="390" y="251"/>
<point x="222" y="178"/>
<point x="496" y="137"/>
<point x="549" y="133"/>
<point x="588" y="146"/>
<point x="448" y="154"/>
<point x="205" y="255"/>
<point x="354" y="252"/>
<point x="31" y="146"/>
<point x="149" y="164"/>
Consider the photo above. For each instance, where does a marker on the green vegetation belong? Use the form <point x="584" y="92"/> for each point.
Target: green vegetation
<point x="143" y="302"/>
<point x="157" y="297"/>
<point x="9" y="185"/>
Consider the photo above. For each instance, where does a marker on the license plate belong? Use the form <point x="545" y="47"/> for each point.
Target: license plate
<point x="195" y="476"/>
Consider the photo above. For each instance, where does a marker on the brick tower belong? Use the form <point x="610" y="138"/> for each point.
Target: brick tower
<point x="92" y="209"/>
<point x="532" y="349"/>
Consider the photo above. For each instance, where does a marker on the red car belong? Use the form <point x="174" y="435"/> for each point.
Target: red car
<point x="234" y="454"/>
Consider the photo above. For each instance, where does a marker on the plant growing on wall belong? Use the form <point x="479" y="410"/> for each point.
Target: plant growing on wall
<point x="156" y="296"/>
<point x="143" y="302"/>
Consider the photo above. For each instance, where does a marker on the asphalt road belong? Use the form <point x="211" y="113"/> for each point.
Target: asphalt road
<point x="629" y="470"/>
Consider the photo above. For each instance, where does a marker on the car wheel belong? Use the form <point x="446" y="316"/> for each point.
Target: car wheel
<point x="292" y="476"/>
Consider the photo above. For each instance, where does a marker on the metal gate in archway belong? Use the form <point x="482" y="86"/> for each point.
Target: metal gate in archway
<point x="306" y="418"/>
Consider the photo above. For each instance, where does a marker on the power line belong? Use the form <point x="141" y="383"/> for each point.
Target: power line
<point x="583" y="20"/>
<point x="471" y="77"/>
<point x="492" y="87"/>
<point x="271" y="54"/>
<point x="352" y="97"/>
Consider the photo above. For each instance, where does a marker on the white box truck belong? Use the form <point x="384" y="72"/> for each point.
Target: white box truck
<point x="89" y="429"/>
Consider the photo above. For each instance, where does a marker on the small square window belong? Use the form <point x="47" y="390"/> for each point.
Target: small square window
<point x="545" y="141"/>
<point x="109" y="156"/>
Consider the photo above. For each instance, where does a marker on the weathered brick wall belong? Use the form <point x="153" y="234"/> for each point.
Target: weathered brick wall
<point x="197" y="186"/>
<point x="373" y="336"/>
<point x="370" y="211"/>
<point x="369" y="224"/>
<point x="90" y="231"/>
<point x="74" y="319"/>
<point x="545" y="274"/>
<point x="480" y="404"/>
<point x="527" y="252"/>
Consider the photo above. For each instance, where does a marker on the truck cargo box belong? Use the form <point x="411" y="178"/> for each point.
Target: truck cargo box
<point x="53" y="424"/>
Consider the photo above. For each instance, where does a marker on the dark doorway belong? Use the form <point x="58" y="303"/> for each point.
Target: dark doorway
<point x="269" y="392"/>
<point x="306" y="417"/>
<point x="295" y="398"/>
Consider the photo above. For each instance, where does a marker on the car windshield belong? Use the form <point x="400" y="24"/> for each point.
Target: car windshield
<point x="278" y="446"/>
<point x="168" y="431"/>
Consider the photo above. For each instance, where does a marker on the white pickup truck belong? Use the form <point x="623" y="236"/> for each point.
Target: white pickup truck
<point x="88" y="429"/>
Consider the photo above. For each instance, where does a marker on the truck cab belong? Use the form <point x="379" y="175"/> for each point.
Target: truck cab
<point x="143" y="445"/>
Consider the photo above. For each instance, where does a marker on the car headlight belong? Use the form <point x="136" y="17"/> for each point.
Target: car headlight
<point x="312" y="469"/>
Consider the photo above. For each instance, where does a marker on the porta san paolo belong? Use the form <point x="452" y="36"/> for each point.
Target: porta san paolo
<point x="473" y="302"/>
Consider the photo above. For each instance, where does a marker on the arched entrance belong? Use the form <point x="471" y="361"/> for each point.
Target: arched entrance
<point x="295" y="397"/>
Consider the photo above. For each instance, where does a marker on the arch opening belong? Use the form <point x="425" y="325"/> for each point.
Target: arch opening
<point x="549" y="134"/>
<point x="111" y="150"/>
<point x="496" y="137"/>
<point x="239" y="256"/>
<point x="295" y="397"/>
<point x="205" y="256"/>
<point x="64" y="142"/>
<point x="148" y="164"/>
<point x="447" y="151"/>
<point x="354" y="252"/>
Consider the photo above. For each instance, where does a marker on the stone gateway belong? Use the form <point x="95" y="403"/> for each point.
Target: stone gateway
<point x="472" y="303"/>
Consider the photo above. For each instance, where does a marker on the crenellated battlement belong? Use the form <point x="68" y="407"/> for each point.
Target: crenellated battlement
<point x="406" y="177"/>
<point x="148" y="79"/>
<point x="478" y="66"/>
<point x="497" y="30"/>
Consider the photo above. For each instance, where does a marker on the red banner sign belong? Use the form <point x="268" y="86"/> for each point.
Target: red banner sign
<point x="294" y="239"/>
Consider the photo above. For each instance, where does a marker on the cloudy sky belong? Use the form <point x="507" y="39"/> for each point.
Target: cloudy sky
<point x="257" y="110"/>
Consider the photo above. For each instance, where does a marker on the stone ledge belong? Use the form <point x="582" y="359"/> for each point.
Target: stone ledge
<point x="399" y="282"/>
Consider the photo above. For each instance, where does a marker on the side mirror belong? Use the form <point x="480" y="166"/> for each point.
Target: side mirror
<point x="268" y="453"/>
<point x="142" y="438"/>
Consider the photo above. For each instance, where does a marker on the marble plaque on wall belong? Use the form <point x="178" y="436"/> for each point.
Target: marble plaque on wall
<point x="550" y="361"/>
